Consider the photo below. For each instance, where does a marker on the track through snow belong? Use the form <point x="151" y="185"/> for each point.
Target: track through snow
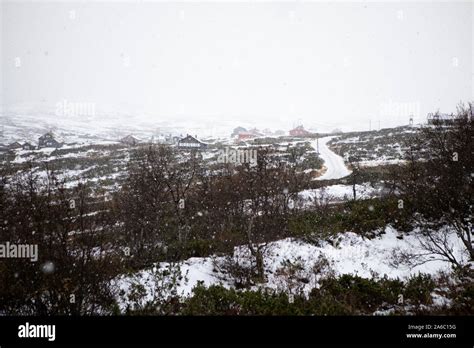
<point x="334" y="163"/>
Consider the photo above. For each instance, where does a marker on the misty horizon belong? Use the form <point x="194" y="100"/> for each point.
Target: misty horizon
<point x="351" y="66"/>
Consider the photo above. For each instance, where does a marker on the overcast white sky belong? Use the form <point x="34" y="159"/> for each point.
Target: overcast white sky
<point x="277" y="64"/>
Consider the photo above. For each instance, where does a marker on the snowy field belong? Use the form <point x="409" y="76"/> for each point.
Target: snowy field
<point x="349" y="253"/>
<point x="338" y="193"/>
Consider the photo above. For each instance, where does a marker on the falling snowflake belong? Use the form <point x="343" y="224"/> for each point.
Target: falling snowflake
<point x="47" y="267"/>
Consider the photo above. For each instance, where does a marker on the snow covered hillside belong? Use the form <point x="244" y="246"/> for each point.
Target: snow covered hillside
<point x="347" y="253"/>
<point x="373" y="148"/>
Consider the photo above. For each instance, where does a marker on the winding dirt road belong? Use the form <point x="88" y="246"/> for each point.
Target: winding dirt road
<point x="334" y="163"/>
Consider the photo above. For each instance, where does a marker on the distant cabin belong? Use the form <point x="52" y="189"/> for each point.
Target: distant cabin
<point x="28" y="146"/>
<point x="24" y="146"/>
<point x="129" y="140"/>
<point x="190" y="143"/>
<point x="238" y="131"/>
<point x="245" y="136"/>
<point x="250" y="134"/>
<point x="299" y="132"/>
<point x="255" y="132"/>
<point x="441" y="119"/>
<point x="48" y="140"/>
<point x="15" y="145"/>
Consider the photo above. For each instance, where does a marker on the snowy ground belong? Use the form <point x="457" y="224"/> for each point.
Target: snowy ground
<point x="348" y="254"/>
<point x="334" y="163"/>
<point x="339" y="193"/>
<point x="380" y="162"/>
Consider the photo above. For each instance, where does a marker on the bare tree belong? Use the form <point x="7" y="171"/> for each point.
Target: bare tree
<point x="437" y="184"/>
<point x="154" y="202"/>
<point x="76" y="260"/>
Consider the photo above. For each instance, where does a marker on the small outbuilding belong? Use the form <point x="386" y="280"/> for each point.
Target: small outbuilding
<point x="48" y="140"/>
<point x="191" y="143"/>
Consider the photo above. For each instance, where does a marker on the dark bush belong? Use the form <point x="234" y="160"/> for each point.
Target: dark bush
<point x="418" y="289"/>
<point x="354" y="295"/>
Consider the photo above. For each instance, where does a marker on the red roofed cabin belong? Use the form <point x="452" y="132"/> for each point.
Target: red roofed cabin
<point x="299" y="132"/>
<point x="245" y="136"/>
<point x="251" y="134"/>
